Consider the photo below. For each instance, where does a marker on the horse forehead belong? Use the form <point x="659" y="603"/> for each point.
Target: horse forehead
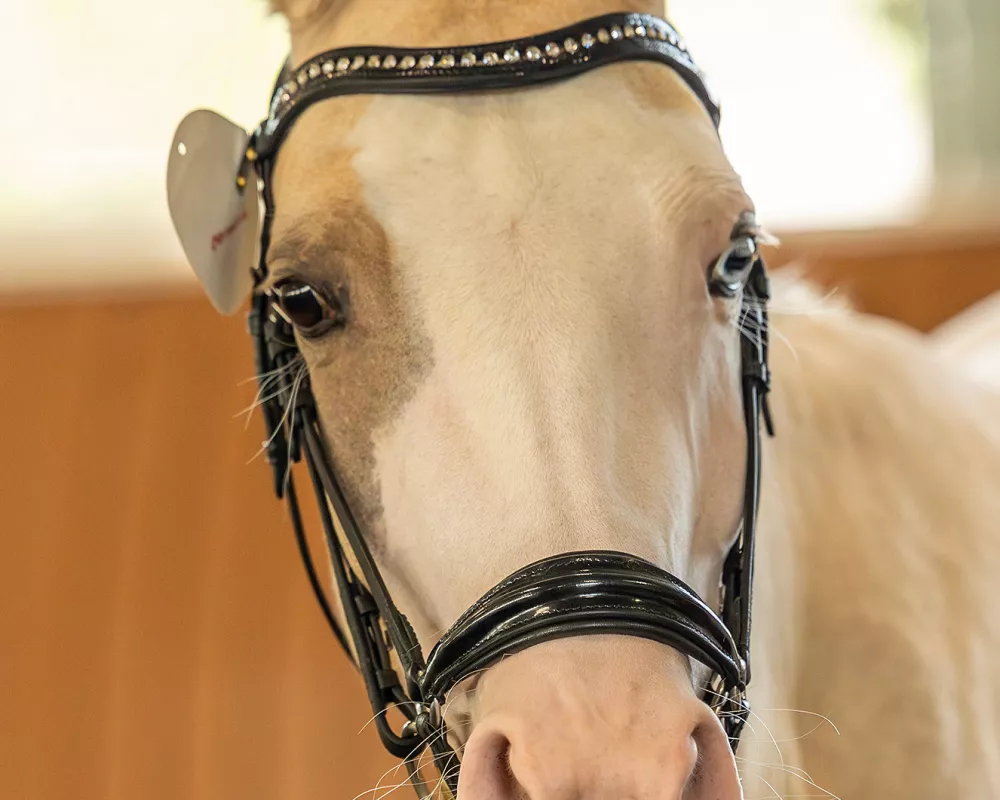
<point x="452" y="169"/>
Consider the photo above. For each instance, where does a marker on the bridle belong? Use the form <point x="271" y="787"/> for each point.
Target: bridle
<point x="571" y="594"/>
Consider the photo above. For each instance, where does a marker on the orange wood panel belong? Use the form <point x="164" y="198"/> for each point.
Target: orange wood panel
<point x="159" y="638"/>
<point x="919" y="281"/>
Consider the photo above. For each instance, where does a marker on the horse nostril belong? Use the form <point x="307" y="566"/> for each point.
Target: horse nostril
<point x="512" y="785"/>
<point x="692" y="789"/>
<point x="696" y="767"/>
<point x="486" y="770"/>
<point x="713" y="774"/>
<point x="548" y="730"/>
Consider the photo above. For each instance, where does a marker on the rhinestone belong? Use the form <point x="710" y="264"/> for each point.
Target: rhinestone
<point x="328" y="68"/>
<point x="343" y="64"/>
<point x="285" y="97"/>
<point x="552" y="50"/>
<point x="314" y="70"/>
<point x="616" y="32"/>
<point x="571" y="45"/>
<point x="533" y="53"/>
<point x="291" y="87"/>
<point x="407" y="62"/>
<point x="640" y="30"/>
<point x="374" y="62"/>
<point x="446" y="61"/>
<point x="357" y="63"/>
<point x="587" y="41"/>
<point x="302" y="77"/>
<point x="491" y="59"/>
<point x="512" y="55"/>
<point x="468" y="60"/>
<point x="425" y="62"/>
<point x="672" y="38"/>
<point x="603" y="36"/>
<point x="629" y="32"/>
<point x="389" y="62"/>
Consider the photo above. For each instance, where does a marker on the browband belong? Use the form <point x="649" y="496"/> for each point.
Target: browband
<point x="510" y="64"/>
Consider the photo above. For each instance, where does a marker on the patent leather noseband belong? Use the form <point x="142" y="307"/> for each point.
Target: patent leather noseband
<point x="571" y="594"/>
<point x="575" y="594"/>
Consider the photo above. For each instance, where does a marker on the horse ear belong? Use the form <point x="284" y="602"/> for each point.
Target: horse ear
<point x="304" y="12"/>
<point x="215" y="205"/>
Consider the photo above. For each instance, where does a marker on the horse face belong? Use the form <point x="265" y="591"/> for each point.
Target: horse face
<point x="530" y="364"/>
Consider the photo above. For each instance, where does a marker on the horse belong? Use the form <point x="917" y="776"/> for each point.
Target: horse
<point x="516" y="355"/>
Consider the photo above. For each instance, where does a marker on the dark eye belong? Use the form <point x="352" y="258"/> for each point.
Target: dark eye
<point x="306" y="308"/>
<point x="729" y="273"/>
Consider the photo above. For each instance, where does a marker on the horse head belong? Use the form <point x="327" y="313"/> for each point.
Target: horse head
<point x="503" y="305"/>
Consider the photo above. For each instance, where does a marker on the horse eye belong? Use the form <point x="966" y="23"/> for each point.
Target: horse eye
<point x="306" y="308"/>
<point x="729" y="272"/>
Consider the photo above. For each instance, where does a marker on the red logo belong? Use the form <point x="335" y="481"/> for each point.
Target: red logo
<point x="219" y="239"/>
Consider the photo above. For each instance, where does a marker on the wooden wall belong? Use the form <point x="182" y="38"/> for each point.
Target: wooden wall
<point x="157" y="635"/>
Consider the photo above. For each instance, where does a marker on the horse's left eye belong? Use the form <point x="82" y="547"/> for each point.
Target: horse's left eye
<point x="730" y="271"/>
<point x="306" y="308"/>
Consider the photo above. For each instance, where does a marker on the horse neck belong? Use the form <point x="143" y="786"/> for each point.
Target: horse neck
<point x="862" y="542"/>
<point x="440" y="23"/>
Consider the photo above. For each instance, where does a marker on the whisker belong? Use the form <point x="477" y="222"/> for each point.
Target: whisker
<point x="267" y="384"/>
<point x="378" y="783"/>
<point x="270" y="373"/>
<point x="284" y="417"/>
<point x="795" y="772"/>
<point x="822" y="717"/>
<point x="380" y="713"/>
<point x="258" y="401"/>
<point x="291" y="405"/>
<point x="769" y="786"/>
<point x="781" y="757"/>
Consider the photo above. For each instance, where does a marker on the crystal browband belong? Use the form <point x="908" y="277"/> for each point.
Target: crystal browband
<point x="497" y="65"/>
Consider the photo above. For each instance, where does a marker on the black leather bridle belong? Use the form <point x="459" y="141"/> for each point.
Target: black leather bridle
<point x="571" y="594"/>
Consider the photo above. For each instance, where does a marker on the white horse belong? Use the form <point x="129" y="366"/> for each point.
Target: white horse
<point x="534" y="365"/>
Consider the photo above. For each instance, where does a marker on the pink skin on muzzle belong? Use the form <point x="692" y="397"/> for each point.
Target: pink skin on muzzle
<point x="595" y="718"/>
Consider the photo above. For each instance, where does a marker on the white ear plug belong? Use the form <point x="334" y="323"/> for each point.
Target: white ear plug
<point x="215" y="207"/>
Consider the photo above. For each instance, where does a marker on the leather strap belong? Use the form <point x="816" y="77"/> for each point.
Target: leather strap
<point x="511" y="64"/>
<point x="577" y="594"/>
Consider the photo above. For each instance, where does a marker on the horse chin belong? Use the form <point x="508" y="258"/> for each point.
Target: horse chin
<point x="597" y="717"/>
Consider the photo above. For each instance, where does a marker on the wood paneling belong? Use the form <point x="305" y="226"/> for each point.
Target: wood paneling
<point x="158" y="636"/>
<point x="921" y="279"/>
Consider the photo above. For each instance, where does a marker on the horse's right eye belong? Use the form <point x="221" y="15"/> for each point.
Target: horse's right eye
<point x="306" y="308"/>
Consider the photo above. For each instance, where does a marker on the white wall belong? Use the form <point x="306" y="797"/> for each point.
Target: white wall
<point x="821" y="116"/>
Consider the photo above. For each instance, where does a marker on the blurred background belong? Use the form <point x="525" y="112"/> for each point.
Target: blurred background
<point x="157" y="635"/>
